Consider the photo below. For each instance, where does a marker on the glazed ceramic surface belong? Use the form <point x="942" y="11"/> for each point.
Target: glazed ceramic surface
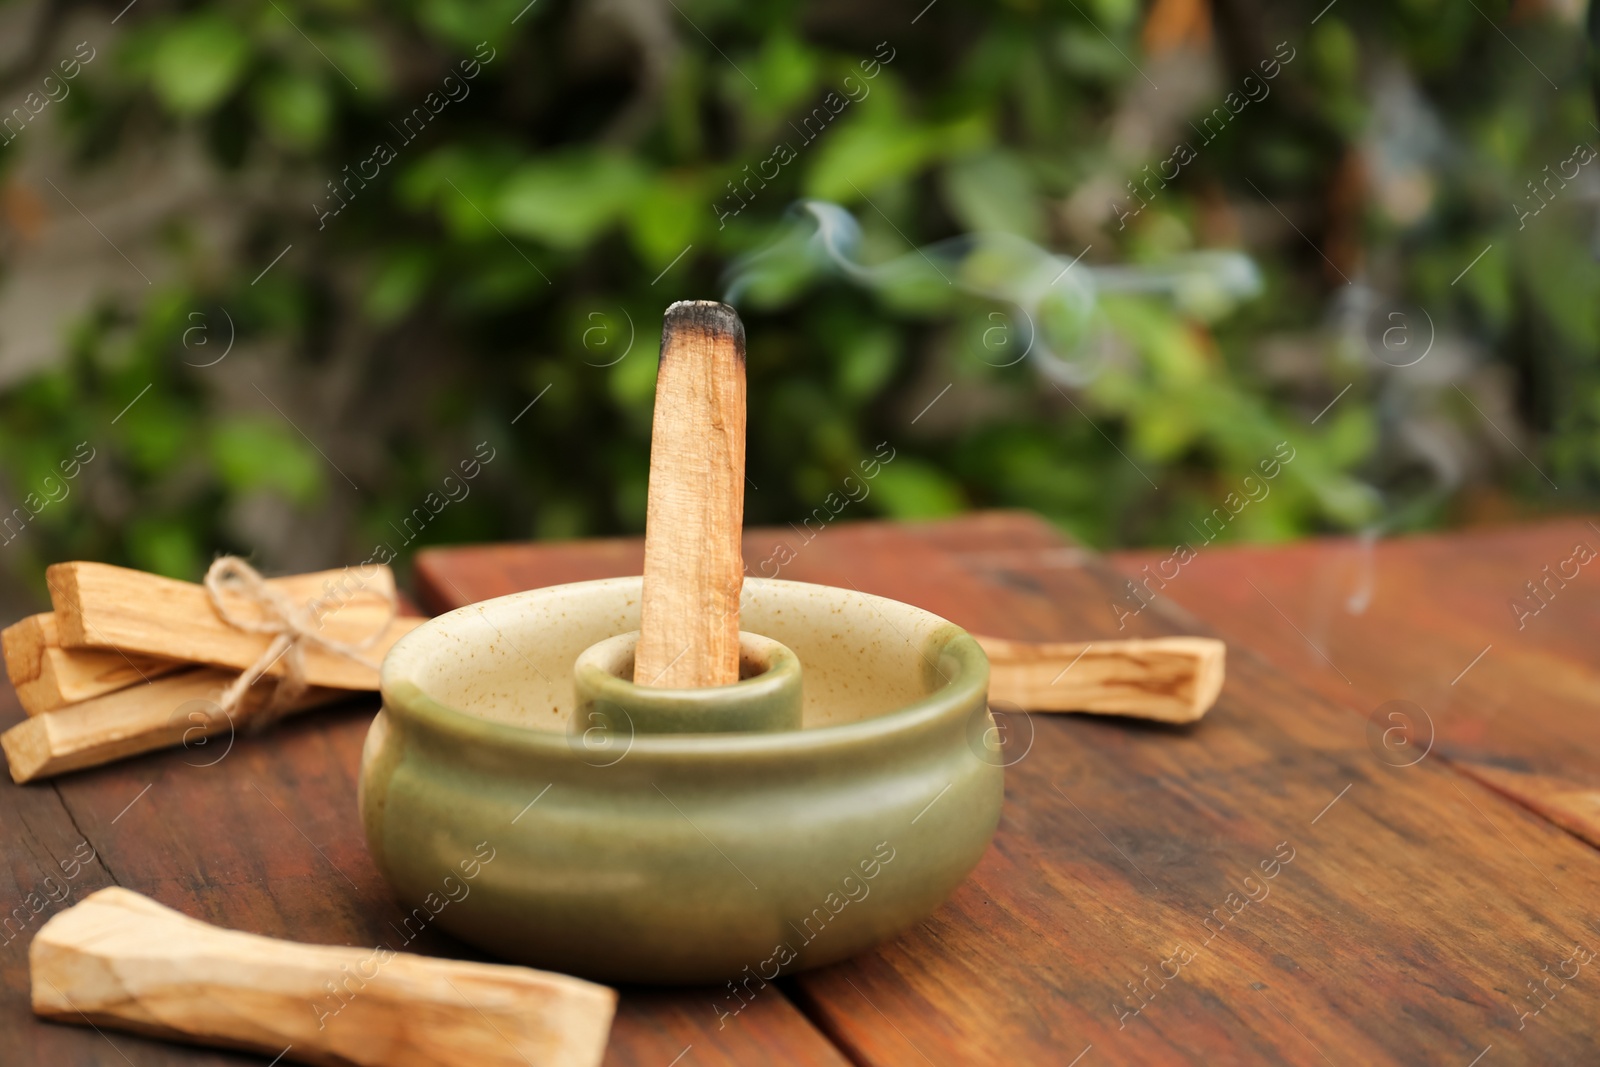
<point x="676" y="858"/>
<point x="609" y="701"/>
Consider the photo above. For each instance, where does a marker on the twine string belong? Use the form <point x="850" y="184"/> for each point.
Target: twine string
<point x="293" y="627"/>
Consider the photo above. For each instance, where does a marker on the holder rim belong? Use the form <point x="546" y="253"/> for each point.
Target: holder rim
<point x="947" y="647"/>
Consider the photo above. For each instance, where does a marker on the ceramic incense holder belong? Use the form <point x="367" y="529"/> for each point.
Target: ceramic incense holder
<point x="631" y="845"/>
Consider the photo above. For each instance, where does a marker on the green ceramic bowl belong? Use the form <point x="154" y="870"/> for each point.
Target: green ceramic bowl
<point x="679" y="857"/>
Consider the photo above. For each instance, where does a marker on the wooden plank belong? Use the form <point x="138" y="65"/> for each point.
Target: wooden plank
<point x="1399" y="924"/>
<point x="1511" y="695"/>
<point x="100" y="606"/>
<point x="1185" y="808"/>
<point x="446" y="578"/>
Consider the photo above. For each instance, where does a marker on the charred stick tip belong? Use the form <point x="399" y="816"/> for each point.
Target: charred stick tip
<point x="707" y="317"/>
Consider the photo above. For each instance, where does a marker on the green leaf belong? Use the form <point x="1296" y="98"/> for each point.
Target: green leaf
<point x="462" y="22"/>
<point x="1351" y="437"/>
<point x="1335" y="52"/>
<point x="397" y="284"/>
<point x="631" y="381"/>
<point x="560" y="520"/>
<point x="295" y="108"/>
<point x="666" y="217"/>
<point x="163" y="546"/>
<point x="785" y="69"/>
<point x="256" y="454"/>
<point x="868" y="359"/>
<point x="359" y="60"/>
<point x="1113" y="15"/>
<point x="993" y="191"/>
<point x="908" y="489"/>
<point x="1091" y="56"/>
<point x="197" y="62"/>
<point x="156" y="433"/>
<point x="1561" y="278"/>
<point x="1163" y="426"/>
<point x="567" y="200"/>
<point x="861" y="155"/>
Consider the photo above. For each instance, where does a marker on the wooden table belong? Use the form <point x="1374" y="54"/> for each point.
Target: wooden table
<point x="1125" y="914"/>
<point x="1505" y="674"/>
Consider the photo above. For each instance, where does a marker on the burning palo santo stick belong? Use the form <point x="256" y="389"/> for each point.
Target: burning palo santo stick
<point x="120" y="959"/>
<point x="693" y="569"/>
<point x="1169" y="679"/>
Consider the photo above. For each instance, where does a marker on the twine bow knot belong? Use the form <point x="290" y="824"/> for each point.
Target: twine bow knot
<point x="292" y="626"/>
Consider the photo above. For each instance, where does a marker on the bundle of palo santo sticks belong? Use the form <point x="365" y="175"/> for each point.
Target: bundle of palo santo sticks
<point x="128" y="662"/>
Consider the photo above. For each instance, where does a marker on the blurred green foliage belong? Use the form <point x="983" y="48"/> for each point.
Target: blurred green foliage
<point x="530" y="235"/>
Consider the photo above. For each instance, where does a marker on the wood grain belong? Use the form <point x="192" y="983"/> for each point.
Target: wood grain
<point x="1168" y="679"/>
<point x="100" y="606"/>
<point x="1416" y="910"/>
<point x="24" y="642"/>
<point x="1511" y="697"/>
<point x="48" y="862"/>
<point x="1413" y="910"/>
<point x="1404" y="931"/>
<point x="47" y="676"/>
<point x="693" y="574"/>
<point x="119" y="960"/>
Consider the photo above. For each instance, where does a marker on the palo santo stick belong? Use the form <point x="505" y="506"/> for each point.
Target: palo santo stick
<point x="693" y="567"/>
<point x="119" y="959"/>
<point x="101" y="606"/>
<point x="24" y="643"/>
<point x="176" y="710"/>
<point x="47" y="676"/>
<point x="1169" y="679"/>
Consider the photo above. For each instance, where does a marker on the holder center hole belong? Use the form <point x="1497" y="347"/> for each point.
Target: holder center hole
<point x="751" y="665"/>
